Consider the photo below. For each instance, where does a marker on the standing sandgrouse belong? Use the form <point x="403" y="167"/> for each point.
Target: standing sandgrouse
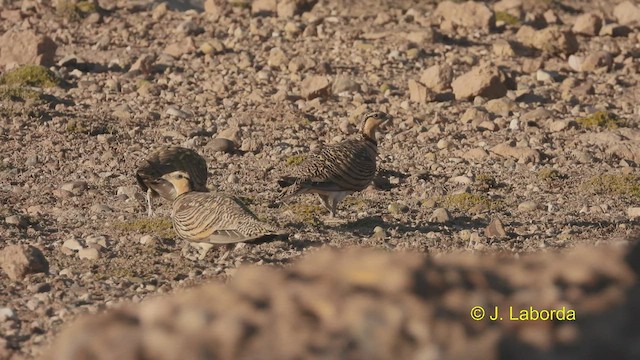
<point x="164" y="161"/>
<point x="338" y="170"/>
<point x="209" y="218"/>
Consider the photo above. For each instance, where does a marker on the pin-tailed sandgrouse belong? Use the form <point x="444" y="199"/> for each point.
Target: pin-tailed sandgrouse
<point x="209" y="218"/>
<point x="336" y="171"/>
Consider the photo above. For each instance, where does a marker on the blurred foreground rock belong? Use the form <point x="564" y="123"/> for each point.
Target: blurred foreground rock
<point x="376" y="305"/>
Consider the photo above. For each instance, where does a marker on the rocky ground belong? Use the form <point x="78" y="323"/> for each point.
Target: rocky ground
<point x="515" y="131"/>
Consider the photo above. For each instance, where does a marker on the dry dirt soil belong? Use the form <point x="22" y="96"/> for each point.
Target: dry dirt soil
<point x="554" y="160"/>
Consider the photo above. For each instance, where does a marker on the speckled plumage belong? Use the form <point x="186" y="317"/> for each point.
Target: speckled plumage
<point x="164" y="161"/>
<point x="347" y="166"/>
<point x="207" y="218"/>
<point x="336" y="171"/>
<point x="216" y="218"/>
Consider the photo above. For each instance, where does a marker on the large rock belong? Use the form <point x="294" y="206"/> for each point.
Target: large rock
<point x="381" y="305"/>
<point x="264" y="7"/>
<point x="615" y="30"/>
<point x="19" y="261"/>
<point x="214" y="8"/>
<point x="508" y="6"/>
<point x="552" y="40"/>
<point x="221" y="145"/>
<point x="626" y="150"/>
<point x="622" y="143"/>
<point x="495" y="229"/>
<point x="419" y="93"/>
<point x="315" y="86"/>
<point x="26" y="47"/>
<point x="144" y="64"/>
<point x="587" y="24"/>
<point x="521" y="153"/>
<point x="503" y="48"/>
<point x="503" y="106"/>
<point x="484" y="80"/>
<point x="596" y="61"/>
<point x="277" y="58"/>
<point x="344" y="83"/>
<point x="180" y="48"/>
<point x="437" y="77"/>
<point x="423" y="37"/>
<point x="473" y="15"/>
<point x="627" y="13"/>
<point x="475" y="115"/>
<point x="291" y="8"/>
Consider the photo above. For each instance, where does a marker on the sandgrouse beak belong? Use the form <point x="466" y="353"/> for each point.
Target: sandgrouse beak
<point x="386" y="124"/>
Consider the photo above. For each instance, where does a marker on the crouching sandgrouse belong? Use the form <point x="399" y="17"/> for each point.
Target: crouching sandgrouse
<point x="208" y="218"/>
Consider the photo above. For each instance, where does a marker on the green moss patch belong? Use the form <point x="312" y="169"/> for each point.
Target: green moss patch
<point x="30" y="75"/>
<point x="72" y="10"/>
<point x="240" y="4"/>
<point x="307" y="214"/>
<point x="485" y="181"/>
<point x="507" y="18"/>
<point x="601" y="119"/>
<point x="624" y="185"/>
<point x="18" y="93"/>
<point x="160" y="227"/>
<point x="466" y="201"/>
<point x="356" y="202"/>
<point x="80" y="126"/>
<point x="548" y="174"/>
<point x="295" y="160"/>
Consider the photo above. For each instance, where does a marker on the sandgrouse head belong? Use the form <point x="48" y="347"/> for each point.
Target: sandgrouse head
<point x="372" y="120"/>
<point x="180" y="180"/>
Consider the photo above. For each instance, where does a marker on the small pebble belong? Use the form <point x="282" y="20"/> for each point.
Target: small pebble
<point x="443" y="144"/>
<point x="96" y="239"/>
<point x="495" y="229"/>
<point x="6" y="314"/>
<point x="528" y="206"/>
<point x="174" y="111"/>
<point x="89" y="254"/>
<point x="464" y="180"/>
<point x="440" y="215"/>
<point x="221" y="145"/>
<point x="633" y="212"/>
<point x="72" y="244"/>
<point x="75" y="187"/>
<point x="148" y="240"/>
<point x="17" y="220"/>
